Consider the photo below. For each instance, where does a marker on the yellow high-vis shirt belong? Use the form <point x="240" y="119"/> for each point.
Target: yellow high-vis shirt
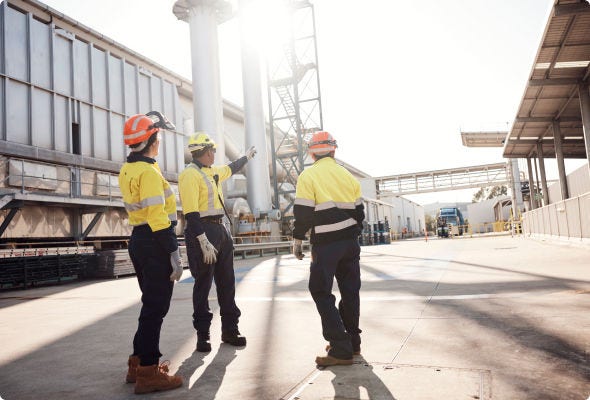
<point x="199" y="192"/>
<point x="328" y="201"/>
<point x="147" y="195"/>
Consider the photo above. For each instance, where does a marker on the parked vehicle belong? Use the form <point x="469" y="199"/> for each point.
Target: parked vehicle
<point x="449" y="216"/>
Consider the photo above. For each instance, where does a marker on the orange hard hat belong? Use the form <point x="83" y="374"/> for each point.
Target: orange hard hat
<point x="140" y="127"/>
<point x="322" y="143"/>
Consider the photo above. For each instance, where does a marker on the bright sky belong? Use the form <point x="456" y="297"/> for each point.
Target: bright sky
<point x="399" y="79"/>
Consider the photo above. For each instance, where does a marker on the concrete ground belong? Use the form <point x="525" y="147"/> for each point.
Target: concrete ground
<point x="475" y="318"/>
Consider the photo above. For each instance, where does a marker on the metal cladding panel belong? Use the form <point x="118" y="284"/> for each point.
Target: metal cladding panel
<point x="16" y="44"/>
<point x="101" y="134"/>
<point x="62" y="128"/>
<point x="86" y="129"/>
<point x="572" y="217"/>
<point x="169" y="139"/>
<point x="82" y="70"/>
<point x="42" y="119"/>
<point x="2" y="35"/>
<point x="41" y="54"/>
<point x="99" y="77"/>
<point x="116" y="84"/>
<point x="62" y="65"/>
<point x="168" y="98"/>
<point x="117" y="144"/>
<point x="2" y="114"/>
<point x="145" y="104"/>
<point x="17" y="112"/>
<point x="585" y="215"/>
<point x="130" y="90"/>
<point x="179" y="143"/>
<point x="156" y="91"/>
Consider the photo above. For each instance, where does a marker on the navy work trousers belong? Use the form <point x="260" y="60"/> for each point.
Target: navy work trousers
<point x="152" y="266"/>
<point x="340" y="326"/>
<point x="223" y="273"/>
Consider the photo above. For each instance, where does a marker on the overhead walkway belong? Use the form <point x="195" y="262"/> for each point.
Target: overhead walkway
<point x="486" y="318"/>
<point x="443" y="179"/>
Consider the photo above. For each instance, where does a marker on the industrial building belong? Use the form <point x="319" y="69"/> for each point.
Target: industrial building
<point x="65" y="92"/>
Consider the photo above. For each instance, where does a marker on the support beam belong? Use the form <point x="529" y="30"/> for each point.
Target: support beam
<point x="545" y="119"/>
<point x="90" y="226"/>
<point x="560" y="162"/>
<point x="585" y="110"/>
<point x="543" y="175"/>
<point x="532" y="202"/>
<point x="538" y="200"/>
<point x="554" y="82"/>
<point x="8" y="219"/>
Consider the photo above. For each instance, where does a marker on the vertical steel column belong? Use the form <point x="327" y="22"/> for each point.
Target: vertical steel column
<point x="3" y="118"/>
<point x="585" y="110"/>
<point x="532" y="202"/>
<point x="203" y="17"/>
<point x="516" y="193"/>
<point x="538" y="199"/>
<point x="543" y="175"/>
<point x="258" y="181"/>
<point x="560" y="164"/>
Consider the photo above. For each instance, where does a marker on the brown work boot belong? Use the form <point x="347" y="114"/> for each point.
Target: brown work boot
<point x="355" y="352"/>
<point x="154" y="378"/>
<point x="328" y="361"/>
<point x="132" y="363"/>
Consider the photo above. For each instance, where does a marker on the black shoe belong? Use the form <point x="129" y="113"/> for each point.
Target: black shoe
<point x="234" y="338"/>
<point x="203" y="344"/>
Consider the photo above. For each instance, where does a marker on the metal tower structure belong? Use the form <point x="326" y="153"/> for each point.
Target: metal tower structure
<point x="295" y="110"/>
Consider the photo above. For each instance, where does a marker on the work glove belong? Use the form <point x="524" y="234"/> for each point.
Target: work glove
<point x="250" y="153"/>
<point x="177" y="265"/>
<point x="209" y="251"/>
<point x="298" y="249"/>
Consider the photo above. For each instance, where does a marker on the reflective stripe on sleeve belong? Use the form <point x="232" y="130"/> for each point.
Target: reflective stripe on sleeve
<point x="338" y="226"/>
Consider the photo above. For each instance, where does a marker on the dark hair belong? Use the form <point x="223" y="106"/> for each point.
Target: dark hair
<point x="319" y="157"/>
<point x="150" y="141"/>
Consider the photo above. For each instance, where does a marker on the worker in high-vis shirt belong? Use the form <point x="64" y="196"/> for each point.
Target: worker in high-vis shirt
<point x="328" y="202"/>
<point x="209" y="244"/>
<point x="153" y="247"/>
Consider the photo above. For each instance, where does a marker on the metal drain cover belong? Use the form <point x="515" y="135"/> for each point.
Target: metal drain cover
<point x="375" y="381"/>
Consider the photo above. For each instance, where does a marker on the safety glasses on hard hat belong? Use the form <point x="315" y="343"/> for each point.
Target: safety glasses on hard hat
<point x="160" y="121"/>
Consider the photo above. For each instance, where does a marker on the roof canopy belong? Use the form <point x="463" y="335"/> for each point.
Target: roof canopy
<point x="551" y="94"/>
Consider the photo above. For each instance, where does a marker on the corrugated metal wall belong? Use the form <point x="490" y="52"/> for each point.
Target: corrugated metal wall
<point x="61" y="87"/>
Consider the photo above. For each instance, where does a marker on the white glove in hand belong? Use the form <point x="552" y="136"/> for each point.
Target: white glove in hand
<point x="209" y="251"/>
<point x="250" y="153"/>
<point x="298" y="249"/>
<point x="177" y="265"/>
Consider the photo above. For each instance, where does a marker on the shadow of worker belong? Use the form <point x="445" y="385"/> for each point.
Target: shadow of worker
<point x="359" y="382"/>
<point x="209" y="382"/>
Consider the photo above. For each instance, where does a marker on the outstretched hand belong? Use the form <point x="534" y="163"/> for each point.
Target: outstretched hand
<point x="250" y="153"/>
